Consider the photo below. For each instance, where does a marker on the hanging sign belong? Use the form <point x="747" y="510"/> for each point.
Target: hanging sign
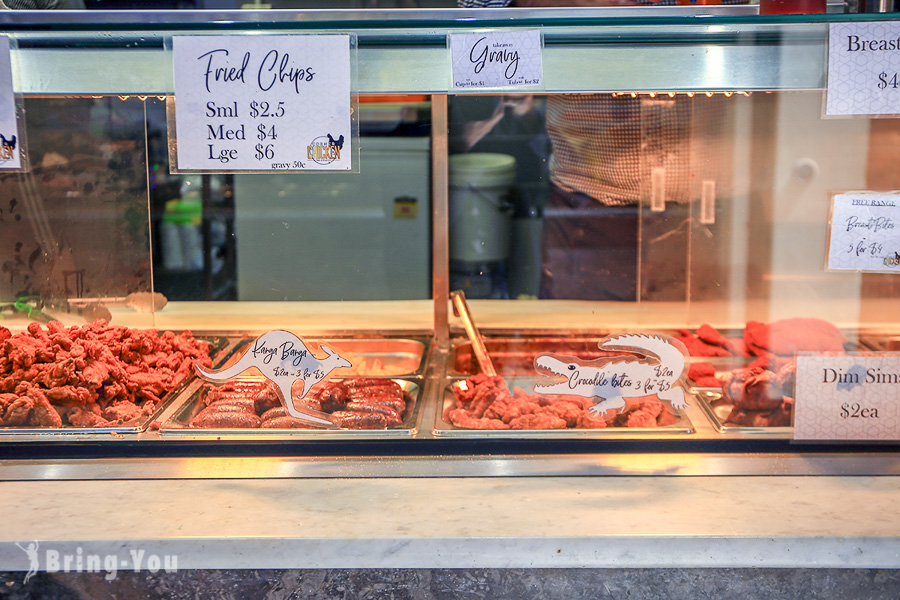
<point x="847" y="397"/>
<point x="865" y="232"/>
<point x="283" y="358"/>
<point x="262" y="103"/>
<point x="612" y="381"/>
<point x="863" y="69"/>
<point x="10" y="154"/>
<point x="499" y="59"/>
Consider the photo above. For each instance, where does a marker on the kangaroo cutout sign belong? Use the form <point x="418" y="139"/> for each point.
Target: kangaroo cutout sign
<point x="615" y="379"/>
<point x="283" y="358"/>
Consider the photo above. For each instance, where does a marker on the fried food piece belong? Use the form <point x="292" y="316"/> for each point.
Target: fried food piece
<point x="460" y="417"/>
<point x="788" y="336"/>
<point x="227" y="420"/>
<point x="285" y="422"/>
<point x="538" y="421"/>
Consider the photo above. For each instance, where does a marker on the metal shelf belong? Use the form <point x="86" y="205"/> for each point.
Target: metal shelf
<point x="405" y="51"/>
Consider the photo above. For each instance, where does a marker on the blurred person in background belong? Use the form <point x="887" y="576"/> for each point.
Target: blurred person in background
<point x="596" y="244"/>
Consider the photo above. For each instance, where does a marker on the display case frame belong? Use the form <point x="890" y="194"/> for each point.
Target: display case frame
<point x="660" y="50"/>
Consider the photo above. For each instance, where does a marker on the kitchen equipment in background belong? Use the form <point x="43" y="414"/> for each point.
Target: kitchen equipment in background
<point x="339" y="236"/>
<point x="480" y="222"/>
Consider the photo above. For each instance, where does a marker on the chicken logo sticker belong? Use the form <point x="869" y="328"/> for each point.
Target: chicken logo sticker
<point x="283" y="358"/>
<point x="613" y="380"/>
<point x="7" y="148"/>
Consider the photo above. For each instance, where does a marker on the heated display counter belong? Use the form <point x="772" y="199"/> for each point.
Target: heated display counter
<point x="453" y="479"/>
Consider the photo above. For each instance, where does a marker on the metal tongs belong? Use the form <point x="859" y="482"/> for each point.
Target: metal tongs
<point x="461" y="310"/>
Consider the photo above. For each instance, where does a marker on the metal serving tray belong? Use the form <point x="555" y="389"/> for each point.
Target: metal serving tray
<point x="371" y="357"/>
<point x="443" y="427"/>
<point x="219" y="353"/>
<point x="717" y="408"/>
<point x="179" y="422"/>
<point x="882" y="343"/>
<point x="514" y="356"/>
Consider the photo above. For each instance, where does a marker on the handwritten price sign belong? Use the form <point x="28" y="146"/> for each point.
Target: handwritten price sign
<point x="865" y="235"/>
<point x="262" y="103"/>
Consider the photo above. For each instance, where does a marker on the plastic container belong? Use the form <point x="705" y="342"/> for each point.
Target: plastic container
<point x="480" y="210"/>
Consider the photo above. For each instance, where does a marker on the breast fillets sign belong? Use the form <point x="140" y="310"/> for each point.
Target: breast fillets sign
<point x="262" y="103"/>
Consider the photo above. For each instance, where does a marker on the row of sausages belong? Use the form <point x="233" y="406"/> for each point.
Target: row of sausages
<point x="356" y="403"/>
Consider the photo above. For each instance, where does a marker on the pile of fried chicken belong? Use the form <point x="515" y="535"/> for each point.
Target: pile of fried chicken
<point x="485" y="402"/>
<point x="95" y="375"/>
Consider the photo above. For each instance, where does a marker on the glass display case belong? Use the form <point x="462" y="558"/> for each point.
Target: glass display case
<point x="697" y="214"/>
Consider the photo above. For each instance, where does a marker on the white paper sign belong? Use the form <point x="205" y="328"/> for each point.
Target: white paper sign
<point x="263" y="103"/>
<point x="10" y="156"/>
<point x="863" y="69"/>
<point x="865" y="235"/>
<point x="847" y="398"/>
<point x="612" y="381"/>
<point x="496" y="59"/>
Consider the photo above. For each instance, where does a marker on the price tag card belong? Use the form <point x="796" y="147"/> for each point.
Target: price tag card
<point x="863" y="69"/>
<point x="848" y="397"/>
<point x="496" y="59"/>
<point x="10" y="152"/>
<point x="864" y="232"/>
<point x="262" y="103"/>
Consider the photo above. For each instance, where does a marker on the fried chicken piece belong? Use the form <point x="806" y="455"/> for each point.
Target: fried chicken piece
<point x="566" y="410"/>
<point x="43" y="414"/>
<point x="508" y="408"/>
<point x="460" y="417"/>
<point x="18" y="412"/>
<point x="86" y="417"/>
<point x="586" y="420"/>
<point x="123" y="412"/>
<point x="465" y="394"/>
<point x="70" y="395"/>
<point x="538" y="421"/>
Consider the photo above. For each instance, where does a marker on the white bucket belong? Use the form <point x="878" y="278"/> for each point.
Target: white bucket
<point x="480" y="211"/>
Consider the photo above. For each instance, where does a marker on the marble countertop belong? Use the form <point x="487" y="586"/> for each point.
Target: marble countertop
<point x="448" y="522"/>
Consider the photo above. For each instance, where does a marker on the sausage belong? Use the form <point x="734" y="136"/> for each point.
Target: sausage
<point x="265" y="400"/>
<point x="234" y="389"/>
<point x="274" y="413"/>
<point x="242" y="402"/>
<point x="332" y="397"/>
<point x="395" y="401"/>
<point x="359" y="420"/>
<point x="226" y="420"/>
<point x="285" y="422"/>
<point x="393" y="417"/>
<point x="362" y="382"/>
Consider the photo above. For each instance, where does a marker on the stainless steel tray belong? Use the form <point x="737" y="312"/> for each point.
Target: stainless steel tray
<point x="371" y="357"/>
<point x="717" y="408"/>
<point x="443" y="428"/>
<point x="514" y="356"/>
<point x="219" y="352"/>
<point x="882" y="343"/>
<point x="179" y="422"/>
